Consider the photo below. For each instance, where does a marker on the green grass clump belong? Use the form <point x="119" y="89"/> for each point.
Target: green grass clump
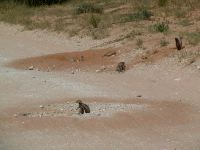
<point x="88" y="8"/>
<point x="160" y="27"/>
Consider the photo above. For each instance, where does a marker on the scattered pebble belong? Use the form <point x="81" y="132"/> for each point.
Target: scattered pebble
<point x="139" y="95"/>
<point x="15" y="115"/>
<point x="177" y="79"/>
<point x="41" y="106"/>
<point x="31" y="68"/>
<point x="103" y="68"/>
<point x="97" y="71"/>
<point x="69" y="109"/>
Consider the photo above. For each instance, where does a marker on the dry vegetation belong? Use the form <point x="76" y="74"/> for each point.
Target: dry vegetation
<point x="123" y="20"/>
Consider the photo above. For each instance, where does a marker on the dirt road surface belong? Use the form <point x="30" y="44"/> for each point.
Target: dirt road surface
<point x="167" y="116"/>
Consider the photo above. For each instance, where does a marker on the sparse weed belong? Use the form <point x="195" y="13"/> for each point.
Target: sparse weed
<point x="88" y="8"/>
<point x="160" y="27"/>
<point x="163" y="42"/>
<point x="180" y="13"/>
<point x="193" y="37"/>
<point x="142" y="14"/>
<point x="94" y="20"/>
<point x="162" y="3"/>
<point x="98" y="33"/>
<point x="185" y="22"/>
<point x="139" y="43"/>
<point x="39" y="2"/>
<point x="188" y="57"/>
<point x="132" y="34"/>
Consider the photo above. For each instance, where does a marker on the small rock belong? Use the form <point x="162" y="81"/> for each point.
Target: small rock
<point x="25" y="114"/>
<point x="41" y="106"/>
<point x="72" y="72"/>
<point x="15" y="115"/>
<point x="139" y="95"/>
<point x="198" y="67"/>
<point x="177" y="79"/>
<point x="31" y="68"/>
<point x="103" y="68"/>
<point x="97" y="71"/>
<point x="111" y="53"/>
<point x="48" y="70"/>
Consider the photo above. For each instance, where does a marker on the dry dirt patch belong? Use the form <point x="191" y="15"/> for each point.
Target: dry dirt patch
<point x="84" y="60"/>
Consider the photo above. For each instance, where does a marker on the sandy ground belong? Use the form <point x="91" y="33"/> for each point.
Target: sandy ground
<point x="169" y="108"/>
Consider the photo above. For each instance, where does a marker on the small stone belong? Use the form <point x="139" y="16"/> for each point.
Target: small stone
<point x="72" y="72"/>
<point x="139" y="95"/>
<point x="41" y="106"/>
<point x="177" y="79"/>
<point x="103" y="68"/>
<point x="98" y="71"/>
<point x="15" y="115"/>
<point x="198" y="67"/>
<point x="25" y="114"/>
<point x="48" y="70"/>
<point x="31" y="68"/>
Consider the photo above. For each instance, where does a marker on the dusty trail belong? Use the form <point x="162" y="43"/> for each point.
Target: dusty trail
<point x="172" y="93"/>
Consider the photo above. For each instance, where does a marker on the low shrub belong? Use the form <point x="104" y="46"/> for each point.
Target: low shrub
<point x="161" y="27"/>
